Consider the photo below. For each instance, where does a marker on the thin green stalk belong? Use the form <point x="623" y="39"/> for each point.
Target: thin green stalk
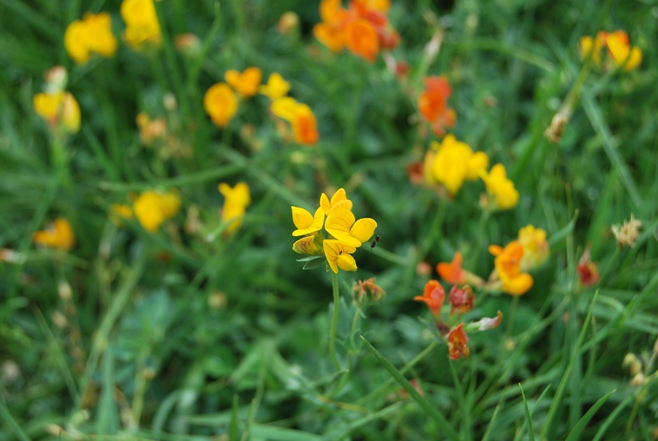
<point x="334" y="321"/>
<point x="4" y="413"/>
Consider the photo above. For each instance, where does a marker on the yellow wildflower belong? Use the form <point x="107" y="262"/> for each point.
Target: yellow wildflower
<point x="91" y="35"/>
<point x="339" y="255"/>
<point x="306" y="245"/>
<point x="535" y="247"/>
<point x="220" y="103"/>
<point x="60" y="110"/>
<point x="338" y="196"/>
<point x="300" y="116"/>
<point x="508" y="268"/>
<point x="305" y="222"/>
<point x="502" y="192"/>
<point x="58" y="235"/>
<point x="342" y="225"/>
<point x="621" y="51"/>
<point x="592" y="47"/>
<point x="142" y="25"/>
<point x="152" y="208"/>
<point x="454" y="162"/>
<point x="236" y="200"/>
<point x="276" y="87"/>
<point x="245" y="83"/>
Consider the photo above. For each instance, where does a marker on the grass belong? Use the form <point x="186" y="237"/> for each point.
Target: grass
<point x="190" y="333"/>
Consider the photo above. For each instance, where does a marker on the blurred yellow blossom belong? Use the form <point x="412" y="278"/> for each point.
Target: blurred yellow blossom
<point x="60" y="110"/>
<point x="300" y="116"/>
<point x="142" y="25"/>
<point x="236" y="200"/>
<point x="91" y="35"/>
<point x="57" y="235"/>
<point x="454" y="162"/>
<point x="120" y="212"/>
<point x="220" y="103"/>
<point x="535" y="247"/>
<point x="152" y="208"/>
<point x="276" y="87"/>
<point x="621" y="51"/>
<point x="150" y="129"/>
<point x="502" y="193"/>
<point x="508" y="268"/>
<point x="245" y="83"/>
<point x="592" y="47"/>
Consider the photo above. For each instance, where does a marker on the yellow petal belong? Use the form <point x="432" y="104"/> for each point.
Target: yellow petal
<point x="346" y="262"/>
<point x="339" y="222"/>
<point x="305" y="223"/>
<point x="363" y="229"/>
<point x="333" y="249"/>
<point x="518" y="285"/>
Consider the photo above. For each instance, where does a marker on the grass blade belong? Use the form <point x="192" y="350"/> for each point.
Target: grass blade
<point x="578" y="428"/>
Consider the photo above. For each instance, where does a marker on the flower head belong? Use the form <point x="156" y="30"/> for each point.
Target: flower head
<point x="220" y="103"/>
<point x="361" y="39"/>
<point x="152" y="208"/>
<point x="245" y="83"/>
<point x="236" y="200"/>
<point x="535" y="246"/>
<point x="455" y="162"/>
<point x="59" y="109"/>
<point x="434" y="295"/>
<point x="367" y="291"/>
<point x="457" y="343"/>
<point x="339" y="196"/>
<point x="276" y="87"/>
<point x="307" y="245"/>
<point x="91" y="35"/>
<point x="502" y="193"/>
<point x="452" y="272"/>
<point x="627" y="233"/>
<point x="301" y="118"/>
<point x="57" y="235"/>
<point x="339" y="255"/>
<point x="508" y="268"/>
<point x="461" y="299"/>
<point x="621" y="52"/>
<point x="342" y="224"/>
<point x="433" y="105"/>
<point x="305" y="222"/>
<point x="142" y="25"/>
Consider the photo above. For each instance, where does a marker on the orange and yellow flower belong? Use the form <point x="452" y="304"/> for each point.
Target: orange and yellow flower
<point x="245" y="83"/>
<point x="58" y="235"/>
<point x="301" y="118"/>
<point x="619" y="50"/>
<point x="220" y="103"/>
<point x="59" y="109"/>
<point x="453" y="162"/>
<point x="433" y="105"/>
<point x="91" y="35"/>
<point x="508" y="268"/>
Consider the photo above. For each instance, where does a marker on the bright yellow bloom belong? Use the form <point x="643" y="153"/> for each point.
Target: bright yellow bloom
<point x="60" y="110"/>
<point x="91" y="35"/>
<point x="455" y="162"/>
<point x="245" y="83"/>
<point x="152" y="208"/>
<point x="339" y="255"/>
<point x="621" y="51"/>
<point x="58" y="235"/>
<point x="535" y="247"/>
<point x="339" y="196"/>
<point x="220" y="103"/>
<point x="501" y="189"/>
<point x="343" y="226"/>
<point x="305" y="222"/>
<point x="236" y="200"/>
<point x="142" y="25"/>
<point x="276" y="87"/>
<point x="508" y="268"/>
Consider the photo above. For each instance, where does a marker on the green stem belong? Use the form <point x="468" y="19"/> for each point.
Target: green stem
<point x="334" y="321"/>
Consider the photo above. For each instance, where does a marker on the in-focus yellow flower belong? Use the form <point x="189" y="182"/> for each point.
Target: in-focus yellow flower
<point x="338" y="196"/>
<point x="305" y="222"/>
<point x="508" y="268"/>
<point x="621" y="51"/>
<point x="245" y="83"/>
<point x="535" y="247"/>
<point x="343" y="226"/>
<point x="220" y="103"/>
<point x="276" y="87"/>
<point x="91" y="35"/>
<point x="58" y="235"/>
<point x="503" y="194"/>
<point x="455" y="162"/>
<point x="307" y="245"/>
<point x="152" y="208"/>
<point x="60" y="110"/>
<point x="339" y="255"/>
<point x="236" y="200"/>
<point x="142" y="25"/>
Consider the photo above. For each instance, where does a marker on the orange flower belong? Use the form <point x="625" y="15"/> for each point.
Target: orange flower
<point x="246" y="83"/>
<point x="433" y="296"/>
<point x="220" y="103"/>
<point x="508" y="268"/>
<point x="452" y="272"/>
<point x="621" y="52"/>
<point x="457" y="343"/>
<point x="361" y="39"/>
<point x="58" y="235"/>
<point x="304" y="127"/>
<point x="433" y="105"/>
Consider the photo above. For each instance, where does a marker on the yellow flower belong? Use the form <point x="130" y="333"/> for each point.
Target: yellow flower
<point x="58" y="235"/>
<point x="339" y="255"/>
<point x="152" y="208"/>
<point x="305" y="222"/>
<point x="236" y="200"/>
<point x="245" y="83"/>
<point x="142" y="25"/>
<point x="342" y="225"/>
<point x="300" y="116"/>
<point x="60" y="110"/>
<point x="120" y="212"/>
<point x="91" y="35"/>
<point x="276" y="87"/>
<point x="535" y="247"/>
<point x="501" y="190"/>
<point x="621" y="51"/>
<point x="220" y="103"/>
<point x="306" y="245"/>
<point x="508" y="268"/>
<point x="591" y="47"/>
<point x="455" y="162"/>
<point x="339" y="196"/>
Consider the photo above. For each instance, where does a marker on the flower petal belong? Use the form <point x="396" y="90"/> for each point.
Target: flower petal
<point x="363" y="229"/>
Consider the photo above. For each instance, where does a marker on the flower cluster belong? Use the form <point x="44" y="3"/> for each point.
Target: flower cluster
<point x="345" y="233"/>
<point x="363" y="28"/>
<point x="151" y="208"/>
<point x="236" y="200"/>
<point x="511" y="264"/>
<point x="620" y="52"/>
<point x="433" y="105"/>
<point x="57" y="235"/>
<point x="142" y="25"/>
<point x="56" y="106"/>
<point x="461" y="299"/>
<point x="89" y="36"/>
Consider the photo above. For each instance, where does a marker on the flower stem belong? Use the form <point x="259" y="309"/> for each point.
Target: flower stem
<point x="334" y="321"/>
